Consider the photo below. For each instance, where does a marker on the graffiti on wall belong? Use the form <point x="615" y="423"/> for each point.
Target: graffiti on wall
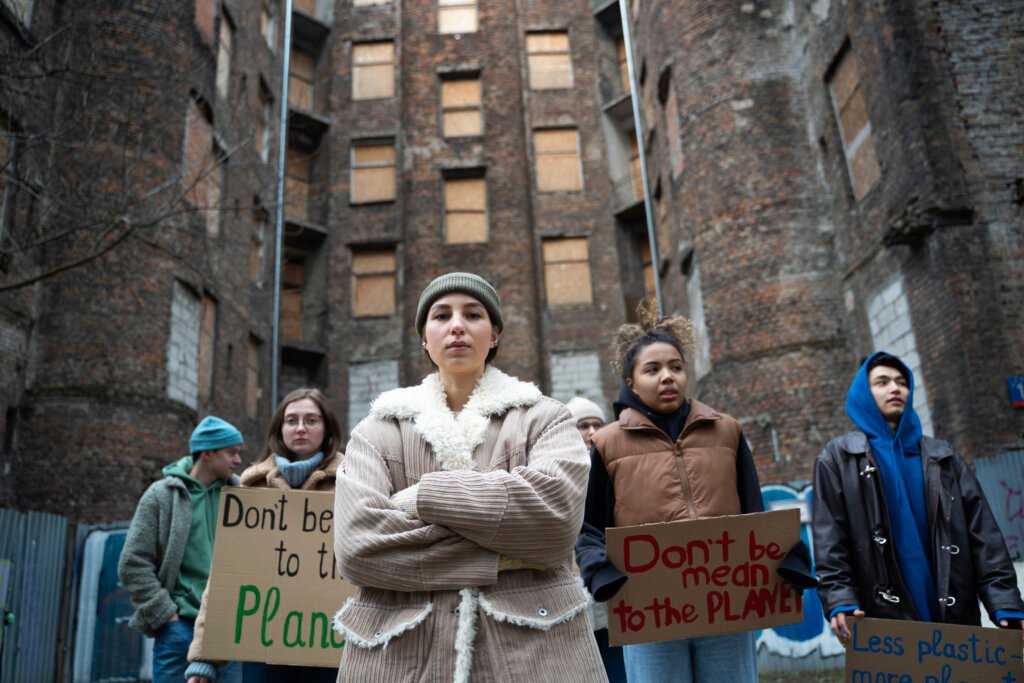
<point x="799" y="640"/>
<point x="1002" y="480"/>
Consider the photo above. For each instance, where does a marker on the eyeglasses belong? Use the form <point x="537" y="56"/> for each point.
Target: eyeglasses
<point x="311" y="421"/>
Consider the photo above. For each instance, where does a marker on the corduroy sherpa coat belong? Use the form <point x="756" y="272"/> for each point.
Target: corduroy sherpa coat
<point x="506" y="476"/>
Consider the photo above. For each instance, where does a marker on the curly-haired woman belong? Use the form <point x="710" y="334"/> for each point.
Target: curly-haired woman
<point x="666" y="458"/>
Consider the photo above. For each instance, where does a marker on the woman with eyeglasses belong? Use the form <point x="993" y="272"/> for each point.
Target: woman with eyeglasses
<point x="303" y="451"/>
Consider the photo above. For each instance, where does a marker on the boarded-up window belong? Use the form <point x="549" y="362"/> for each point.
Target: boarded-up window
<point x="558" y="160"/>
<point x="456" y="16"/>
<point x="206" y="16"/>
<point x="465" y="210"/>
<point x="268" y="22"/>
<point x="673" y="132"/>
<point x="301" y="75"/>
<point x="6" y="147"/>
<point x="373" y="173"/>
<point x="253" y="391"/>
<point x="620" y="50"/>
<point x="215" y="190"/>
<point x="297" y="179"/>
<point x="198" y="160"/>
<point x="373" y="71"/>
<point x="460" y="107"/>
<point x="648" y="266"/>
<point x="257" y="246"/>
<point x="547" y="55"/>
<point x="854" y="126"/>
<point x="567" y="271"/>
<point x="293" y="281"/>
<point x="207" y="337"/>
<point x="263" y="121"/>
<point x="373" y="282"/>
<point x="663" y="223"/>
<point x="225" y="49"/>
<point x="6" y="172"/>
<point x="634" y="166"/>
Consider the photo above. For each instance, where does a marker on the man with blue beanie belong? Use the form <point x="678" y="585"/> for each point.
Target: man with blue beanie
<point x="902" y="529"/>
<point x="169" y="548"/>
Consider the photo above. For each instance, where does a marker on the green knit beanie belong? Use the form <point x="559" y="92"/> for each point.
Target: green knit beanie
<point x="466" y="283"/>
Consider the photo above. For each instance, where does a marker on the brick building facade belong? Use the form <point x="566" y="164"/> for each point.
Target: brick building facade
<point x="826" y="178"/>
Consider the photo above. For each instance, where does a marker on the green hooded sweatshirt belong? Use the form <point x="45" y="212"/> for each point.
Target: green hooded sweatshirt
<point x="195" y="564"/>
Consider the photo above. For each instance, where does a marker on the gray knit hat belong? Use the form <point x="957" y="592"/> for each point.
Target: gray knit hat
<point x="466" y="283"/>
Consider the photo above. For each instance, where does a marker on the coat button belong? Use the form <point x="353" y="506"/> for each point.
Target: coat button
<point x="542" y="612"/>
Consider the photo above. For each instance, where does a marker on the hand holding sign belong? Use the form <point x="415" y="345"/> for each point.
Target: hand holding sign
<point x="702" y="577"/>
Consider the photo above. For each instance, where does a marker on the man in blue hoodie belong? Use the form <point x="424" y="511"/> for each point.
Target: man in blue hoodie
<point x="902" y="529"/>
<point x="169" y="547"/>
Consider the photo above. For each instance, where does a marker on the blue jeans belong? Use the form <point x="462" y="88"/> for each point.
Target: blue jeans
<point x="258" y="672"/>
<point x="170" y="654"/>
<point x="728" y="658"/>
<point x="611" y="656"/>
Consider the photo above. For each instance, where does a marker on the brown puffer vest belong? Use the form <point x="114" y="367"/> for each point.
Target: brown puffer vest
<point x="656" y="480"/>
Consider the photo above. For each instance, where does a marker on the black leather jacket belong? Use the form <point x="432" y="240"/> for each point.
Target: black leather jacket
<point x="853" y="551"/>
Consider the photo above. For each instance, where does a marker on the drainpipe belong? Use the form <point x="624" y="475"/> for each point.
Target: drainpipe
<point x="282" y="132"/>
<point x="634" y="97"/>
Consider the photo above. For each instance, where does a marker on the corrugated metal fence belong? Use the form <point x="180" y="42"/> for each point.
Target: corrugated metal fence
<point x="1002" y="479"/>
<point x="105" y="648"/>
<point x="35" y="543"/>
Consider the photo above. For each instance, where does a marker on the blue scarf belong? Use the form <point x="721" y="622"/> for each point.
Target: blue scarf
<point x="898" y="456"/>
<point x="297" y="472"/>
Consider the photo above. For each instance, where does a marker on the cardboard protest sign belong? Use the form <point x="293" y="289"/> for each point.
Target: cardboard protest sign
<point x="702" y="577"/>
<point x="274" y="586"/>
<point x="888" y="651"/>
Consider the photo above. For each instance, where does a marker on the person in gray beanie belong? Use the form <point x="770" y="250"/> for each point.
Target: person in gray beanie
<point x="589" y="419"/>
<point x="456" y="515"/>
<point x="169" y="547"/>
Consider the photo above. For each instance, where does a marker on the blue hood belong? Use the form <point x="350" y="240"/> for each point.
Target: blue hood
<point x="862" y="409"/>
<point x="898" y="456"/>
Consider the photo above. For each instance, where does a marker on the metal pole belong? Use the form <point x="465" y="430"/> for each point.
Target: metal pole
<point x="279" y="228"/>
<point x="638" y="126"/>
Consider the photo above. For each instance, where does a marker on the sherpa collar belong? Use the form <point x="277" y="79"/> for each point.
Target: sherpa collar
<point x="455" y="437"/>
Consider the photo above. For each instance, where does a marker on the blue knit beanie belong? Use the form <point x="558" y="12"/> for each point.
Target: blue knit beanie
<point x="213" y="433"/>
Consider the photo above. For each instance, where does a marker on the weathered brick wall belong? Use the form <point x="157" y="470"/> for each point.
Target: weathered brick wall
<point x="942" y="83"/>
<point x="518" y="216"/>
<point x="751" y="172"/>
<point x="97" y="380"/>
<point x="748" y="198"/>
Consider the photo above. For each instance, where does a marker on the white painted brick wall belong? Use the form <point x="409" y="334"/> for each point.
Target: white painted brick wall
<point x="366" y="381"/>
<point x="702" y="357"/>
<point x="892" y="330"/>
<point x="577" y="373"/>
<point x="183" y="347"/>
